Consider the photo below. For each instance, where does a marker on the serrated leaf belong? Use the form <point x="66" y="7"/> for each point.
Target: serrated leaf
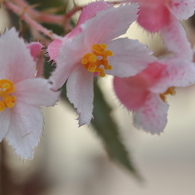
<point x="108" y="131"/>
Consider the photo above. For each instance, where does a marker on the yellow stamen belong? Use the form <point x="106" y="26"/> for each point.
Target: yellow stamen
<point x="6" y="101"/>
<point x="170" y="90"/>
<point x="93" y="61"/>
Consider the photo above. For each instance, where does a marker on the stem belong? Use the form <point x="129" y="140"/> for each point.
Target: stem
<point x="25" y="17"/>
<point x="4" y="173"/>
<point x="41" y="17"/>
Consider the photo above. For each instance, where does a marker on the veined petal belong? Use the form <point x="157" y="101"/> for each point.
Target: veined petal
<point x="80" y="93"/>
<point x="178" y="73"/>
<point x="175" y="39"/>
<point x="109" y="24"/>
<point x="5" y="122"/>
<point x="130" y="57"/>
<point x="152" y="116"/>
<point x="16" y="62"/>
<point x="25" y="129"/>
<point x="182" y="9"/>
<point x="36" y="92"/>
<point x="35" y="48"/>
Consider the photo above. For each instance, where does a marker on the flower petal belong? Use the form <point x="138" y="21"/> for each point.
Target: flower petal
<point x="87" y="13"/>
<point x="109" y="24"/>
<point x="91" y="10"/>
<point x="25" y="129"/>
<point x="152" y="117"/>
<point x="130" y="57"/>
<point x="36" y="92"/>
<point x="175" y="39"/>
<point x="35" y="48"/>
<point x="67" y="60"/>
<point x="54" y="49"/>
<point x="178" y="73"/>
<point x="153" y="15"/>
<point x="131" y="92"/>
<point x="80" y="93"/>
<point x="16" y="62"/>
<point x="5" y="122"/>
<point x="182" y="9"/>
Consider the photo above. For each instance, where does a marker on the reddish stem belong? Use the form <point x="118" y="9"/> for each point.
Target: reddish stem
<point x="20" y="12"/>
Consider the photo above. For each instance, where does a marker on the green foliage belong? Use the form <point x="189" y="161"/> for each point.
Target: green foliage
<point x="108" y="131"/>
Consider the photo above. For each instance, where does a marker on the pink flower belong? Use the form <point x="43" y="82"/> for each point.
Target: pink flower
<point x="145" y="93"/>
<point x="22" y="94"/>
<point x="94" y="51"/>
<point x="163" y="16"/>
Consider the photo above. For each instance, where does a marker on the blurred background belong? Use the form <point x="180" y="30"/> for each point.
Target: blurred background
<point x="72" y="161"/>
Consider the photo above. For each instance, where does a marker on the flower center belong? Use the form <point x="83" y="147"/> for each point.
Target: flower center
<point x="6" y="100"/>
<point x="170" y="90"/>
<point x="97" y="62"/>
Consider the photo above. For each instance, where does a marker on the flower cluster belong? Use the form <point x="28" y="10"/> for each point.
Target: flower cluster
<point x="94" y="49"/>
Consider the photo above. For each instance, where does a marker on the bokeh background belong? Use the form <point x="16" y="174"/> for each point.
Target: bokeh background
<point x="72" y="161"/>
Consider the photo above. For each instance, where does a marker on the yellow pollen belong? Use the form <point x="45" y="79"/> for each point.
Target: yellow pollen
<point x="97" y="62"/>
<point x="6" y="101"/>
<point x="170" y="90"/>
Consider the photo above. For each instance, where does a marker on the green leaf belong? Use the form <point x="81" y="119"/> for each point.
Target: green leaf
<point x="108" y="131"/>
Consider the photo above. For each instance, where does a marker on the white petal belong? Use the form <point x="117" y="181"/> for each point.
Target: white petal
<point x="67" y="60"/>
<point x="152" y="117"/>
<point x="178" y="73"/>
<point x="16" y="62"/>
<point x="80" y="93"/>
<point x="36" y="92"/>
<point x="182" y="9"/>
<point x="109" y="24"/>
<point x="175" y="39"/>
<point x="130" y="57"/>
<point x="25" y="129"/>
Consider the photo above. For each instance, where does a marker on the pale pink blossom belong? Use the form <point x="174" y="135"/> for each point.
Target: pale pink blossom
<point x="164" y="16"/>
<point x="145" y="93"/>
<point x="22" y="94"/>
<point x="93" y="50"/>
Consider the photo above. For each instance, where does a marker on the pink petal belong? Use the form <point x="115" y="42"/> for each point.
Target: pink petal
<point x="16" y="62"/>
<point x="182" y="9"/>
<point x="5" y="122"/>
<point x="175" y="39"/>
<point x="153" y="15"/>
<point x="80" y="93"/>
<point x="36" y="92"/>
<point x="178" y="73"/>
<point x="131" y="92"/>
<point x="69" y="57"/>
<point x="54" y="49"/>
<point x="35" y="48"/>
<point x="25" y="129"/>
<point x="130" y="57"/>
<point x="91" y="10"/>
<point x="109" y="24"/>
<point x="152" y="116"/>
<point x="87" y="13"/>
